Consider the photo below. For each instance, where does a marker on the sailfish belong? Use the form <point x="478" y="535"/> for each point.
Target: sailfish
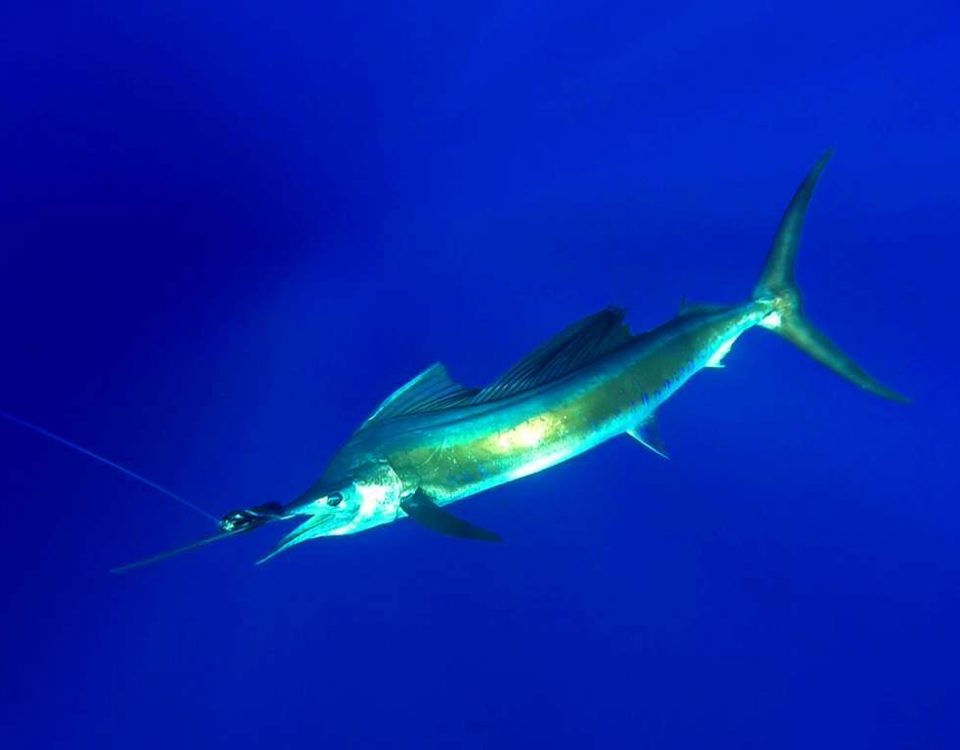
<point x="434" y="441"/>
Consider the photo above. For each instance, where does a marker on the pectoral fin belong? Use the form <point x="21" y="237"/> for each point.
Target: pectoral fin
<point x="422" y="509"/>
<point x="648" y="434"/>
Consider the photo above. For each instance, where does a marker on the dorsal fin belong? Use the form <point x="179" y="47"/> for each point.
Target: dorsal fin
<point x="579" y="345"/>
<point x="431" y="390"/>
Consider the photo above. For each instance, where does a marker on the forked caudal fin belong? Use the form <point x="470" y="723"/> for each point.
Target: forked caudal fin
<point x="778" y="287"/>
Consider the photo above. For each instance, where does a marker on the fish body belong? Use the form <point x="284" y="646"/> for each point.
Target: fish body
<point x="467" y="449"/>
<point x="435" y="441"/>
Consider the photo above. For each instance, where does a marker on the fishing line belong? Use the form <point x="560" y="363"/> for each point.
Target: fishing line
<point x="106" y="461"/>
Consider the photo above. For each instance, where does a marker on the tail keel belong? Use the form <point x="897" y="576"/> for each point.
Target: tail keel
<point x="779" y="290"/>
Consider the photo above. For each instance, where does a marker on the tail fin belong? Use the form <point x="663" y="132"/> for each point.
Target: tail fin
<point x="778" y="288"/>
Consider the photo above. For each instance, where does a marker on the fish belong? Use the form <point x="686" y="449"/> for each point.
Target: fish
<point x="434" y="441"/>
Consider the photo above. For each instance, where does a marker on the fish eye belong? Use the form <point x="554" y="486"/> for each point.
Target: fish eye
<point x="334" y="499"/>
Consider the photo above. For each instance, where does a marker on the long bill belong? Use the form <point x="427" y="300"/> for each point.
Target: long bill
<point x="174" y="552"/>
<point x="232" y="524"/>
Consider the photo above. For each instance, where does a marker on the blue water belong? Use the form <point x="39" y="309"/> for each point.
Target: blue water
<point x="228" y="230"/>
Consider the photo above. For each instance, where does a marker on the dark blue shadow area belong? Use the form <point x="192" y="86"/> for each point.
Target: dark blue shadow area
<point x="227" y="233"/>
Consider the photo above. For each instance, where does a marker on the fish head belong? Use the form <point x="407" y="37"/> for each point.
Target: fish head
<point x="366" y="496"/>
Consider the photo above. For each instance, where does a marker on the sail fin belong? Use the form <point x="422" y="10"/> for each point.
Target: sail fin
<point x="573" y="348"/>
<point x="431" y="390"/>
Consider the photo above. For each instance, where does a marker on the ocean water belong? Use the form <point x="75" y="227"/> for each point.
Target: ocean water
<point x="228" y="230"/>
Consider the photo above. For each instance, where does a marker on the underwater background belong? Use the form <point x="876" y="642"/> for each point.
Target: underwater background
<point x="229" y="230"/>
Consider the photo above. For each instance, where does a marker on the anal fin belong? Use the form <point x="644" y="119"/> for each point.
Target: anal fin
<point x="648" y="435"/>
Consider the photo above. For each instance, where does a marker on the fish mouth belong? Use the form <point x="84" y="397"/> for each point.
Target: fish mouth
<point x="313" y="527"/>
